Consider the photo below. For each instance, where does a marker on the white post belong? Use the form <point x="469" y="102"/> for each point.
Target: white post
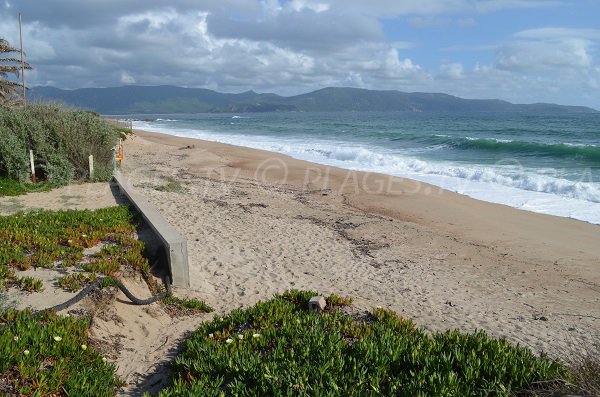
<point x="91" y="158"/>
<point x="32" y="166"/>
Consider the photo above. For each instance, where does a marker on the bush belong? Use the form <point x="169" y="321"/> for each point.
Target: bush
<point x="278" y="348"/>
<point x="61" y="138"/>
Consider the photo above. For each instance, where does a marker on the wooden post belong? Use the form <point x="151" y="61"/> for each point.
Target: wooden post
<point x="23" y="67"/>
<point x="91" y="158"/>
<point x="32" y="166"/>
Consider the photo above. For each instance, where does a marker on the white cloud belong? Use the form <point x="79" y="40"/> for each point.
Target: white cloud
<point x="549" y="48"/>
<point x="298" y="45"/>
<point x="540" y="56"/>
<point x="451" y="70"/>
<point x="550" y="33"/>
<point x="300" y="5"/>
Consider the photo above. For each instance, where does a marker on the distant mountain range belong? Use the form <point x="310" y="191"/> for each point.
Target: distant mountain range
<point x="169" y="99"/>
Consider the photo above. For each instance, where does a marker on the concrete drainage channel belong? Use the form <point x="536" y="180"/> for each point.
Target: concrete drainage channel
<point x="173" y="242"/>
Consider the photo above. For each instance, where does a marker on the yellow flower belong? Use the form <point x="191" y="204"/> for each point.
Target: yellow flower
<point x="103" y="359"/>
<point x="256" y="335"/>
<point x="229" y="340"/>
<point x="26" y="352"/>
<point x="57" y="338"/>
<point x="83" y="347"/>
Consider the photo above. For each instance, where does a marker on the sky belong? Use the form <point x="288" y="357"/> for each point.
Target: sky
<point x="523" y="51"/>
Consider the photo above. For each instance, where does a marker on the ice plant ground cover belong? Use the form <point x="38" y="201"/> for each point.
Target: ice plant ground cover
<point x="47" y="355"/>
<point x="279" y="348"/>
<point x="58" y="239"/>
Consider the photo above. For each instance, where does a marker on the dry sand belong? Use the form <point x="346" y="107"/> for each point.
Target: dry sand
<point x="258" y="223"/>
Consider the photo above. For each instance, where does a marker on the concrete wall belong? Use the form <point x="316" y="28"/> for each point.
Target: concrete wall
<point x="174" y="243"/>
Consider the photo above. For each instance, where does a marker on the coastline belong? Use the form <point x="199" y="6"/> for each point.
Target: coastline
<point x="258" y="223"/>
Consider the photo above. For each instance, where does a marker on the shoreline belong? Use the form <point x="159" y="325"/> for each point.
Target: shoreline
<point x="259" y="223"/>
<point x="529" y="191"/>
<point x="277" y="168"/>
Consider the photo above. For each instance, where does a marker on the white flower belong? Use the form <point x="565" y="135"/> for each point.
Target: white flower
<point x="255" y="335"/>
<point x="210" y="335"/>
<point x="15" y="338"/>
<point x="69" y="241"/>
<point x="298" y="321"/>
<point x="26" y="352"/>
<point x="240" y="336"/>
<point x="83" y="347"/>
<point x="103" y="359"/>
<point x="57" y="338"/>
<point x="229" y="340"/>
<point x="84" y="235"/>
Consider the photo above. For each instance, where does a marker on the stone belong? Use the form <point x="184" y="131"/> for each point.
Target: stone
<point x="317" y="303"/>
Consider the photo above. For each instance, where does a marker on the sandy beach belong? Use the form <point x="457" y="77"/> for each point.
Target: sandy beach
<point x="258" y="223"/>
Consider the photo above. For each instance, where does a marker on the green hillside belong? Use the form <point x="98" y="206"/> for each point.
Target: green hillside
<point x="169" y="99"/>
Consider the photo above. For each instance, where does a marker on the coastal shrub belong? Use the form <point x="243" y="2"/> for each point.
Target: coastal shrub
<point x="279" y="348"/>
<point x="61" y="139"/>
<point x="48" y="355"/>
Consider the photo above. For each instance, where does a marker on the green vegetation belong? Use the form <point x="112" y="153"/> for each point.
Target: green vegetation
<point x="9" y="64"/>
<point x="48" y="355"/>
<point x="76" y="281"/>
<point x="278" y="348"/>
<point x="172" y="185"/>
<point x="48" y="239"/>
<point x="61" y="139"/>
<point x="11" y="187"/>
<point x="169" y="99"/>
<point x="191" y="305"/>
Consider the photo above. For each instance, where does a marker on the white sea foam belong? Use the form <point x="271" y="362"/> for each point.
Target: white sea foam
<point x="543" y="191"/>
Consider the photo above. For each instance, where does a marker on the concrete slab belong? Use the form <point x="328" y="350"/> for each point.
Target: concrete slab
<point x="174" y="243"/>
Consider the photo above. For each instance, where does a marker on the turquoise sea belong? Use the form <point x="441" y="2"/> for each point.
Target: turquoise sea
<point x="548" y="163"/>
